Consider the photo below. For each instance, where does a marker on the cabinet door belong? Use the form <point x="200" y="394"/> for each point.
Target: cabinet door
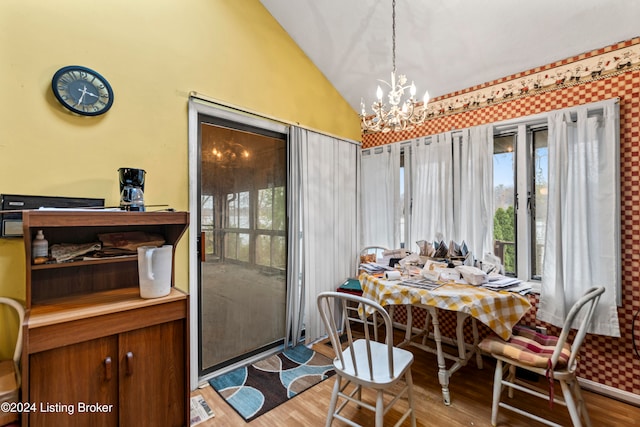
<point x="67" y="383"/>
<point x="152" y="376"/>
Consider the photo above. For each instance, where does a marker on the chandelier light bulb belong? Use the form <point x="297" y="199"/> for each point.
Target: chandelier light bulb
<point x="379" y="93"/>
<point x="412" y="90"/>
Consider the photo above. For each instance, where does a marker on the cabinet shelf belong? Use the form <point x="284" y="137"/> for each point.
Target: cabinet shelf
<point x="83" y="306"/>
<point x="77" y="264"/>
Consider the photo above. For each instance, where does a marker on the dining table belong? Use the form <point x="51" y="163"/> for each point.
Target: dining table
<point x="498" y="310"/>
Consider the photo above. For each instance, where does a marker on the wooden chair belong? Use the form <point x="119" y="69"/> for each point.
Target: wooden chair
<point x="9" y="369"/>
<point x="545" y="355"/>
<point x="375" y="253"/>
<point x="365" y="362"/>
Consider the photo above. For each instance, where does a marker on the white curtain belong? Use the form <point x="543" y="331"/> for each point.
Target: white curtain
<point x="380" y="197"/>
<point x="474" y="190"/>
<point x="432" y="188"/>
<point x="322" y="223"/>
<point x="582" y="220"/>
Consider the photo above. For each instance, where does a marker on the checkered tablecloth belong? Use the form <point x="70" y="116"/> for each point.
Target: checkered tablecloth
<point x="500" y="311"/>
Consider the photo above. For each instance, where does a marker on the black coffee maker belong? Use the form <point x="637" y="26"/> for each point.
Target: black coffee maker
<point x="131" y="189"/>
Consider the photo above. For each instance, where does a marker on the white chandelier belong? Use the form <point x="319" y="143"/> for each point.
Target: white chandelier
<point x="398" y="115"/>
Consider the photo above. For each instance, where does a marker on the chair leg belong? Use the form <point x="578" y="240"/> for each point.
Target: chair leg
<point x="512" y="379"/>
<point x="333" y="401"/>
<point x="571" y="405"/>
<point x="379" y="408"/>
<point x="497" y="391"/>
<point x="409" y="380"/>
<point x="582" y="407"/>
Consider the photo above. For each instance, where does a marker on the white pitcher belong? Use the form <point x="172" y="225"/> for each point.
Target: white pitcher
<point x="154" y="270"/>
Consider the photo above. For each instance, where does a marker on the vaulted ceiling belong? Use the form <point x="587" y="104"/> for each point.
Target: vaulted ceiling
<point x="447" y="45"/>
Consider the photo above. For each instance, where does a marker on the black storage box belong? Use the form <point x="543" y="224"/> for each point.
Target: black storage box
<point x="11" y="222"/>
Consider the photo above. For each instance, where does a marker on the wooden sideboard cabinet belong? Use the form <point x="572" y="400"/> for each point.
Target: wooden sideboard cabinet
<point x="95" y="353"/>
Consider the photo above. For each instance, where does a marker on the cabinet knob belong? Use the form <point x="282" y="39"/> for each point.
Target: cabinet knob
<point x="129" y="357"/>
<point x="107" y="369"/>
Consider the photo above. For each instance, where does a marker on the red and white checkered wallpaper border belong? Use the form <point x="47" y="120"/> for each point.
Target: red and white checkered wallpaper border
<point x="604" y="360"/>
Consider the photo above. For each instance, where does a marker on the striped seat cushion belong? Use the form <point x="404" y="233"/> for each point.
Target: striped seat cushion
<point x="528" y="347"/>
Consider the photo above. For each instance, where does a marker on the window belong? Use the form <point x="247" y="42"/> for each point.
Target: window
<point x="527" y="171"/>
<point x="540" y="177"/>
<point x="521" y="175"/>
<point x="238" y="218"/>
<point x="504" y="184"/>
<point x="270" y="237"/>
<point x="405" y="202"/>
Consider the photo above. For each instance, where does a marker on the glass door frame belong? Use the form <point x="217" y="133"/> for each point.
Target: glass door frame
<point x="199" y="108"/>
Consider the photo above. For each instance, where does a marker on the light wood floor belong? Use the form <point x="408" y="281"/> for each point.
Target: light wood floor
<point x="470" y="403"/>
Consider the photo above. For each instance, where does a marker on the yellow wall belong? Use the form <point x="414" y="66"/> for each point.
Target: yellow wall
<point x="154" y="53"/>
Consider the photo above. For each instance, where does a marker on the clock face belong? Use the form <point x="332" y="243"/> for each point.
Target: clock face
<point x="82" y="90"/>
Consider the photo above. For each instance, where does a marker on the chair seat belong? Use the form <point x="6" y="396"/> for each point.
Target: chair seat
<point x="402" y="359"/>
<point x="527" y="347"/>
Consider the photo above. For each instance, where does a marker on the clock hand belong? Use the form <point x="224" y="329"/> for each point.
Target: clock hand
<point x="92" y="94"/>
<point x="84" y="92"/>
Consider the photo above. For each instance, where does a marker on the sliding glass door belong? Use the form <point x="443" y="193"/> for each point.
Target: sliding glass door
<point x="242" y="289"/>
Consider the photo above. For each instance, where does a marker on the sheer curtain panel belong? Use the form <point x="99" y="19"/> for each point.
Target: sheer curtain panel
<point x="432" y="189"/>
<point x="474" y="190"/>
<point x="582" y="236"/>
<point x="323" y="216"/>
<point x="380" y="196"/>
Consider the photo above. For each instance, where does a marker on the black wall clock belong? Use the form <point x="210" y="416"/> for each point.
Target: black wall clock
<point x="82" y="90"/>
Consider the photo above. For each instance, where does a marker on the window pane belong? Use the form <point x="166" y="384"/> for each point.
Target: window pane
<point x="402" y="201"/>
<point x="265" y="209"/>
<point x="504" y="224"/>
<point x="231" y="247"/>
<point x="243" y="247"/>
<point x="243" y="210"/>
<point x="263" y="250"/>
<point x="232" y="216"/>
<point x="207" y="222"/>
<point x="271" y="251"/>
<point x="279" y="210"/>
<point x="539" y="211"/>
<point x="279" y="252"/>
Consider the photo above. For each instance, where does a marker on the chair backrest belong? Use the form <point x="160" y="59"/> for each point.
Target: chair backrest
<point x="20" y="310"/>
<point x="333" y="307"/>
<point x="588" y="303"/>
<point x="376" y="250"/>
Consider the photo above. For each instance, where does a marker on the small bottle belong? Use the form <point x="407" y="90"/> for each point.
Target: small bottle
<point x="40" y="246"/>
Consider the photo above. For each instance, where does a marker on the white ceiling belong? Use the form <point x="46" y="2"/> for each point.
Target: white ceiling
<point x="447" y="45"/>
